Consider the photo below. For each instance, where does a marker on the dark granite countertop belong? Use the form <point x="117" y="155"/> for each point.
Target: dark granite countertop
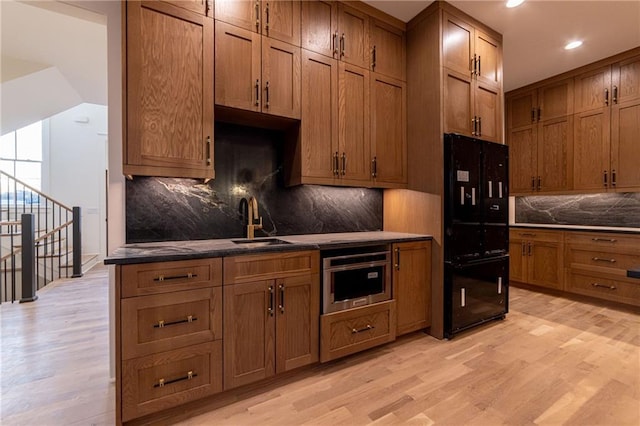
<point x="198" y="249"/>
<point x="584" y="228"/>
<point x="634" y="273"/>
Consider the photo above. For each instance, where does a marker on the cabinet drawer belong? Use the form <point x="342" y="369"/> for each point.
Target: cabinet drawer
<point x="597" y="240"/>
<point x="241" y="269"/>
<point x="162" y="322"/>
<point x="347" y="332"/>
<point x="163" y="277"/>
<point x="608" y="261"/>
<point x="167" y="379"/>
<point x="604" y="287"/>
<point x="535" y="235"/>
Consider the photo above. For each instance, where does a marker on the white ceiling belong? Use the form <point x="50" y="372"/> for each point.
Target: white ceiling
<point x="534" y="34"/>
<point x="53" y="57"/>
<point x="74" y="41"/>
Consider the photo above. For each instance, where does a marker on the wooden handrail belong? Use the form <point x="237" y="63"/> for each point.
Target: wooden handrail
<point x="13" y="253"/>
<point x="53" y="231"/>
<point x="32" y="189"/>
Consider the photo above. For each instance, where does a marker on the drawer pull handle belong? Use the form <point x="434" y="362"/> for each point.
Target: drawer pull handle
<point x="162" y="323"/>
<point x="175" y="277"/>
<point x="270" y="310"/>
<point x="527" y="234"/>
<point x="606" y="240"/>
<point x="190" y="375"/>
<point x="367" y="328"/>
<point x="600" y="259"/>
<point x="609" y="287"/>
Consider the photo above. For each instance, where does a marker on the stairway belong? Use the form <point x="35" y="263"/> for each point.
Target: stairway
<point x="50" y="230"/>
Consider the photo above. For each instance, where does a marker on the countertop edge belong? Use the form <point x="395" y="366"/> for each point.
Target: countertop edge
<point x="584" y="228"/>
<point x="296" y="243"/>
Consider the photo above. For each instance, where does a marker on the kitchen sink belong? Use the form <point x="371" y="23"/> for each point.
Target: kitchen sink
<point x="260" y="242"/>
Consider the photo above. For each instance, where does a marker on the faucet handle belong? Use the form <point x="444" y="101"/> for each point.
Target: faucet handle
<point x="257" y="223"/>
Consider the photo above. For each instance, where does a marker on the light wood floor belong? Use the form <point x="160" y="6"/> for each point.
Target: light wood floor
<point x="552" y="361"/>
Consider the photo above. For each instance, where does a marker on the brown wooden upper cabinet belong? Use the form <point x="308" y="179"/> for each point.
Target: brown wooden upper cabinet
<point x="473" y="80"/>
<point x="607" y="124"/>
<point x="203" y="7"/>
<point x="352" y="129"/>
<point x="278" y="19"/>
<point x="336" y="30"/>
<point x="169" y="91"/>
<point x="335" y="123"/>
<point x="388" y="131"/>
<point x="540" y="135"/>
<point x="256" y="73"/>
<point x="388" y="50"/>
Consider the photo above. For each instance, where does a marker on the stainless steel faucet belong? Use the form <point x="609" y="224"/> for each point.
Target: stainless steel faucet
<point x="254" y="221"/>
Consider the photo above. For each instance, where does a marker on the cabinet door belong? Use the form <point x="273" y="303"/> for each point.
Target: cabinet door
<point x="412" y="286"/>
<point x="297" y="324"/>
<point x="554" y="139"/>
<point x="625" y="149"/>
<point x="625" y="81"/>
<point x="281" y="20"/>
<point x="280" y="78"/>
<point x="388" y="50"/>
<point x="517" y="260"/>
<point x="458" y="103"/>
<point x="238" y="64"/>
<point x="488" y="60"/>
<point x="388" y="130"/>
<point x="202" y="7"/>
<point x="625" y="125"/>
<point x="353" y="35"/>
<point x="591" y="150"/>
<point x="355" y="142"/>
<point x="555" y="100"/>
<point x="319" y="21"/>
<point x="457" y="46"/>
<point x="169" y="91"/>
<point x="523" y="159"/>
<point x="522" y="109"/>
<point x="249" y="332"/>
<point x="592" y="90"/>
<point x="240" y="13"/>
<point x="319" y="124"/>
<point x="545" y="264"/>
<point x="488" y="112"/>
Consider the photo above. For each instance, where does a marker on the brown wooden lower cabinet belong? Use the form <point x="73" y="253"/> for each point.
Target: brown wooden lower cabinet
<point x="270" y="324"/>
<point x="588" y="263"/>
<point x="598" y="263"/>
<point x="604" y="286"/>
<point x="167" y="379"/>
<point x="536" y="257"/>
<point x="412" y="285"/>
<point x="353" y="330"/>
<point x="168" y="335"/>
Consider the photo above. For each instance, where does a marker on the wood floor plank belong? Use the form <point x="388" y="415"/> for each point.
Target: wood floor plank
<point x="553" y="361"/>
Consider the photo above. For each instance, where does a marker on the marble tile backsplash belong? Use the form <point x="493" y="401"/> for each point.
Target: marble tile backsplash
<point x="248" y="163"/>
<point x="607" y="209"/>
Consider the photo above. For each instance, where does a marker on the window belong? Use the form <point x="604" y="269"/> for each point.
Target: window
<point x="21" y="154"/>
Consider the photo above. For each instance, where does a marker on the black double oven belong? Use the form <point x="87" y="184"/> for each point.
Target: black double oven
<point x="476" y="232"/>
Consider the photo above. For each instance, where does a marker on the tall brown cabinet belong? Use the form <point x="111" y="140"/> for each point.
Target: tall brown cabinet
<point x="169" y="90"/>
<point x="456" y="87"/>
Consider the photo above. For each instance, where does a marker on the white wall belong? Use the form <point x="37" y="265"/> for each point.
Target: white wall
<point x="116" y="185"/>
<point x="74" y="168"/>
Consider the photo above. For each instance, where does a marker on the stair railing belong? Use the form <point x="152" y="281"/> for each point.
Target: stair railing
<point x="52" y="229"/>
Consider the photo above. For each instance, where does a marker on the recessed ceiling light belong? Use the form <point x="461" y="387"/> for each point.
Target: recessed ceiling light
<point x="573" y="44"/>
<point x="514" y="3"/>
